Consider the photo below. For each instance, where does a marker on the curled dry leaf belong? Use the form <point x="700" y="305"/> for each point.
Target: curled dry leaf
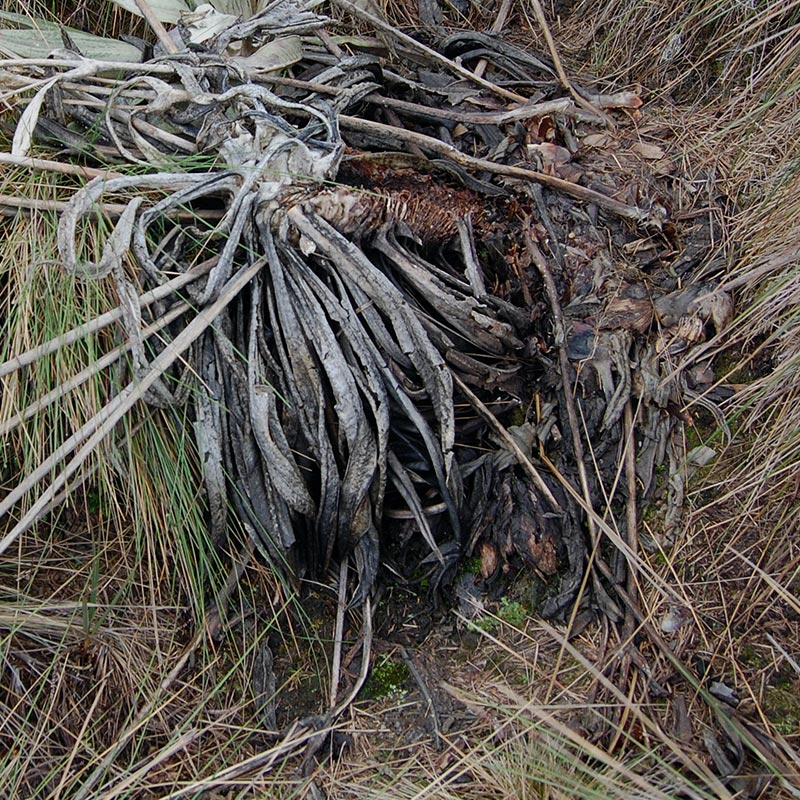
<point x="675" y="618"/>
<point x="551" y="155"/>
<point x="273" y="56"/>
<point x="597" y="140"/>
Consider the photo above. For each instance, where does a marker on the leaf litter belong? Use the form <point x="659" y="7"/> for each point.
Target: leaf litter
<point x="438" y="316"/>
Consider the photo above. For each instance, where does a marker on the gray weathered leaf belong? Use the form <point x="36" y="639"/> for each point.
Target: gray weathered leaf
<point x="40" y="41"/>
<point x="275" y="55"/>
<point x="165" y="10"/>
<point x="206" y="22"/>
<point x="239" y="8"/>
<point x="23" y="134"/>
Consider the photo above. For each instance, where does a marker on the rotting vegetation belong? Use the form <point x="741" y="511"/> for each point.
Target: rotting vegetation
<point x="403" y="334"/>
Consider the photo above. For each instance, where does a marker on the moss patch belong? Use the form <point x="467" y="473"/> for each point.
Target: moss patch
<point x="388" y="679"/>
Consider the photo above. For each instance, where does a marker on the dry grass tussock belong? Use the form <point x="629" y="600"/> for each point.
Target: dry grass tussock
<point x="112" y="687"/>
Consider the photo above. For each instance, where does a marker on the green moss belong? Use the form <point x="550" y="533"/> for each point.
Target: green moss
<point x="388" y="679"/>
<point x="518" y="416"/>
<point x="472" y="566"/>
<point x="93" y="502"/>
<point x="509" y="611"/>
<point x="751" y="657"/>
<point x="512" y="612"/>
<point x="782" y="704"/>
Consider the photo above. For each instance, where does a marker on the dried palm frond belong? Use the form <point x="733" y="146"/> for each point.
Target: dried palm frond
<point x="353" y="271"/>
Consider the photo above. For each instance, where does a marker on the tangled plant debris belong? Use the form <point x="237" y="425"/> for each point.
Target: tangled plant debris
<point x="416" y="313"/>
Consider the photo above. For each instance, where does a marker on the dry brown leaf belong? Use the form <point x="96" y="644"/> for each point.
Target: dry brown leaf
<point x="618" y="100"/>
<point x="551" y="153"/>
<point x="597" y="140"/>
<point x="652" y="152"/>
<point x="489" y="560"/>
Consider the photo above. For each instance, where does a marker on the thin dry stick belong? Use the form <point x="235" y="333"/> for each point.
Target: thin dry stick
<point x="144" y="713"/>
<point x="10" y="204"/>
<point x="85" y="374"/>
<point x="352" y="8"/>
<point x="559" y="105"/>
<point x="57" y="166"/>
<point x="502" y="15"/>
<point x="149" y="763"/>
<point x="508" y="440"/>
<point x="259" y="763"/>
<point x="215" y="615"/>
<point x="632" y="536"/>
<point x="695" y="765"/>
<point x="538" y="12"/>
<point x="423" y="687"/>
<point x="330" y="44"/>
<point x="632" y="517"/>
<point x="155" y="23"/>
<point x="638" y="215"/>
<point x="366" y="652"/>
<point x="560" y="331"/>
<point x="339" y="634"/>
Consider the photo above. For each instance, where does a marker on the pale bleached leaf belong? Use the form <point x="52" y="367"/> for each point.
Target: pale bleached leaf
<point x="239" y="8"/>
<point x="275" y="55"/>
<point x="24" y="21"/>
<point x="206" y="23"/>
<point x="23" y="135"/>
<point x="165" y="10"/>
<point x="39" y="42"/>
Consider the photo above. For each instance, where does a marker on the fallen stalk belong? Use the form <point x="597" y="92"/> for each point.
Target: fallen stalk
<point x="89" y="372"/>
<point x="362" y="14"/>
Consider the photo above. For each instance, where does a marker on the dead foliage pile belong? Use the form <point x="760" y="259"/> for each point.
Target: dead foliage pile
<point x="419" y="304"/>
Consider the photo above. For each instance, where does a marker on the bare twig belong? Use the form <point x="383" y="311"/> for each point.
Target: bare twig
<point x="638" y="215"/>
<point x="99" y="426"/>
<point x="366" y="653"/>
<point x="338" y="638"/>
<point x="497" y="26"/>
<point x="217" y="612"/>
<point x="558" y="105"/>
<point x="632" y="517"/>
<point x="566" y="378"/>
<point x="423" y="687"/>
<point x="508" y="440"/>
<point x="85" y="374"/>
<point x="47" y="165"/>
<point x="538" y="12"/>
<point x="104" y="320"/>
<point x="11" y="204"/>
<point x="155" y="23"/>
<point x="141" y="717"/>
